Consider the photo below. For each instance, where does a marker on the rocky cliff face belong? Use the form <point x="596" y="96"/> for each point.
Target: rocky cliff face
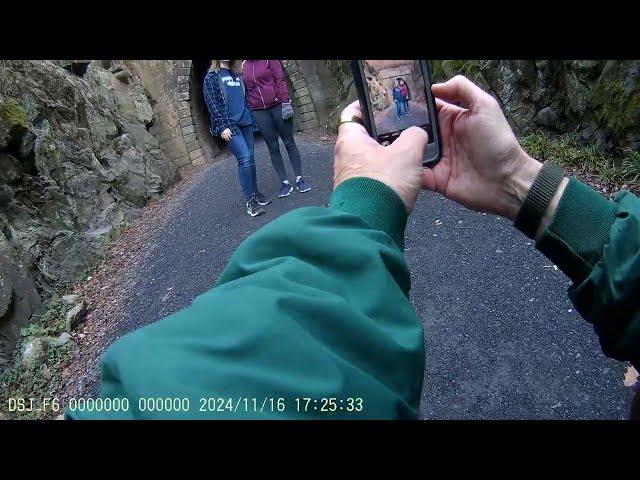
<point x="379" y="94"/>
<point x="76" y="163"/>
<point x="598" y="99"/>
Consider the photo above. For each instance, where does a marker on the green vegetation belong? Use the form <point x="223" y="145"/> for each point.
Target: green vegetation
<point x="567" y="150"/>
<point x="616" y="104"/>
<point x="14" y="113"/>
<point x="41" y="380"/>
<point x="442" y="70"/>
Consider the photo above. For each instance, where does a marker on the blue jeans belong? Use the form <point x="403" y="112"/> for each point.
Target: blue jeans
<point x="242" y="147"/>
<point x="398" y="108"/>
<point x="406" y="105"/>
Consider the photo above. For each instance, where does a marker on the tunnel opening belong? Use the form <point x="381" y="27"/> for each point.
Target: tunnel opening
<point x="210" y="145"/>
<point x="213" y="146"/>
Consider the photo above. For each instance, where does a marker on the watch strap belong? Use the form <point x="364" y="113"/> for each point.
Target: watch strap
<point x="538" y="198"/>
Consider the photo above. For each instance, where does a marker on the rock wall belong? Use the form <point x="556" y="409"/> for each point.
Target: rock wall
<point x="322" y="88"/>
<point x="599" y="99"/>
<point x="77" y="162"/>
<point x="170" y="84"/>
<point x="379" y="91"/>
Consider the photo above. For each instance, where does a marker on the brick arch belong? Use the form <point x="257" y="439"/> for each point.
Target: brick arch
<point x="193" y="123"/>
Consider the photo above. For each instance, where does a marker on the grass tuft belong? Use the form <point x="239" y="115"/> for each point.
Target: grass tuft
<point x="622" y="169"/>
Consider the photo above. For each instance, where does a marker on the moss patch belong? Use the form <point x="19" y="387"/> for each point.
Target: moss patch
<point x="13" y="113"/>
<point x="442" y="70"/>
<point x="617" y="106"/>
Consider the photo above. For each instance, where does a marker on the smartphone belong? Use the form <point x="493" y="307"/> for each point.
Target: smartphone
<point x="395" y="95"/>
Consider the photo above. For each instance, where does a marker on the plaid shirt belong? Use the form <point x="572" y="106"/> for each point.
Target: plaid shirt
<point x="218" y="111"/>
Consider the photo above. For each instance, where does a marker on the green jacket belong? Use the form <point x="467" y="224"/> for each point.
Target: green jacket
<point x="318" y="324"/>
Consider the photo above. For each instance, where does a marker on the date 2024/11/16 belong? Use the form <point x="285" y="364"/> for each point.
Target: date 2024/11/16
<point x="183" y="405"/>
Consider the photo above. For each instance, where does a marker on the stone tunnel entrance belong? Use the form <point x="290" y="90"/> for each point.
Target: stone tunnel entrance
<point x="210" y="145"/>
<point x="305" y="118"/>
<point x="181" y="123"/>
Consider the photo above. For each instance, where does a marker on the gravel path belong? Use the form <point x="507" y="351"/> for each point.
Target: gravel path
<point x="502" y="339"/>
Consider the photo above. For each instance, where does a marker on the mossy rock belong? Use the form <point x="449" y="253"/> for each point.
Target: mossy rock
<point x="442" y="70"/>
<point x="14" y="113"/>
<point x="618" y="106"/>
<point x="12" y="116"/>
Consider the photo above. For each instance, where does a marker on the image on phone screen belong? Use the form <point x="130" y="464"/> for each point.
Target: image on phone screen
<point x="396" y="94"/>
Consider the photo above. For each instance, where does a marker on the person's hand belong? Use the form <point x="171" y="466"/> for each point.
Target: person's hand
<point x="226" y="134"/>
<point x="483" y="166"/>
<point x="399" y="166"/>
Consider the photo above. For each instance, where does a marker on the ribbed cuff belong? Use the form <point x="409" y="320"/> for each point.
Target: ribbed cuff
<point x="580" y="229"/>
<point x="377" y="204"/>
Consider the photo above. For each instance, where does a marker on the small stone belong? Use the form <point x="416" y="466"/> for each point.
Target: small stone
<point x="548" y="117"/>
<point x="70" y="299"/>
<point x="34" y="352"/>
<point x="61" y="340"/>
<point x="75" y="316"/>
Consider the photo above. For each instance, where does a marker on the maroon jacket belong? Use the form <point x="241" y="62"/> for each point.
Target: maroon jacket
<point x="265" y="83"/>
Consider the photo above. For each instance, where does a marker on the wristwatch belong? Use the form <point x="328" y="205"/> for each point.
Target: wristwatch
<point x="538" y="198"/>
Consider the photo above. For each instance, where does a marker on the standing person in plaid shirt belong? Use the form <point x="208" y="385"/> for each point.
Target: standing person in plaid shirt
<point x="231" y="120"/>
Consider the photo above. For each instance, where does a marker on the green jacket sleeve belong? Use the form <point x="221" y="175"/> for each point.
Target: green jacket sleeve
<point x="312" y="306"/>
<point x="596" y="242"/>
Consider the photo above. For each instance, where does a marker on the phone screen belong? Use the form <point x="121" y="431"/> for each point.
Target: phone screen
<point x="396" y="92"/>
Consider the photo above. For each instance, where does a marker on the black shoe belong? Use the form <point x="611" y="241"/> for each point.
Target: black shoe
<point x="261" y="199"/>
<point x="253" y="209"/>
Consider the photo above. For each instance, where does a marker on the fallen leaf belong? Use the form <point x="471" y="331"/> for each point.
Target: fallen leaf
<point x="630" y="377"/>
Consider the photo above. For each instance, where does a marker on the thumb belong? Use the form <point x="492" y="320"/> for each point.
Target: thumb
<point x="411" y="141"/>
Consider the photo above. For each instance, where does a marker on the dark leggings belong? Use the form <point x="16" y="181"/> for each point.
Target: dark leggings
<point x="272" y="126"/>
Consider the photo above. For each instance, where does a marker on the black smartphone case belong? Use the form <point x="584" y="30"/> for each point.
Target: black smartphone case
<point x="361" y="90"/>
